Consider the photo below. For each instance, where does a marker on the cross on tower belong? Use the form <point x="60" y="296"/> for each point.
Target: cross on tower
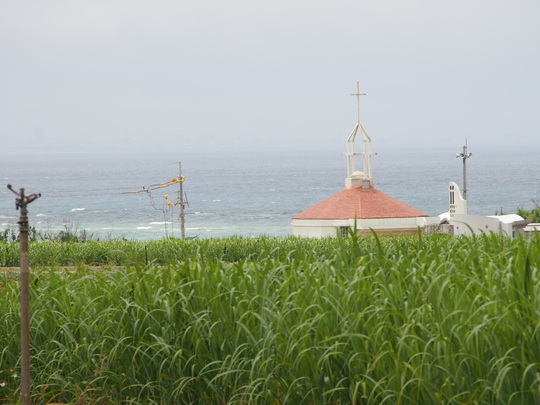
<point x="358" y="94"/>
<point x="353" y="177"/>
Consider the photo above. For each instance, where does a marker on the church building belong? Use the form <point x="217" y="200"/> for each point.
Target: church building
<point x="360" y="205"/>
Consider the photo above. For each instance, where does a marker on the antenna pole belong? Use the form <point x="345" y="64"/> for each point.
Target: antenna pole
<point x="181" y="198"/>
<point x="464" y="155"/>
<point x="21" y="202"/>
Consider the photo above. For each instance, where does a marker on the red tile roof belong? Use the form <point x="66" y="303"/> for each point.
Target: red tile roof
<point x="360" y="203"/>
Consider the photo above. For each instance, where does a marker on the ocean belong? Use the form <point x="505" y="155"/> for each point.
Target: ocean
<point x="246" y="193"/>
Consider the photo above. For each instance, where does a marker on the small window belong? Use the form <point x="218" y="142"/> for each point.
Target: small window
<point x="344" y="231"/>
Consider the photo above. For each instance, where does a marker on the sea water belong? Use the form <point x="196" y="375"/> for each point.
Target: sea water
<point x="245" y="192"/>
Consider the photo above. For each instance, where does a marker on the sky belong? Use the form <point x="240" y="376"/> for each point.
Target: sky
<point x="150" y="76"/>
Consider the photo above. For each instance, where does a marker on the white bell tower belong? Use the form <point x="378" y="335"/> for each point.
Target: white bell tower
<point x="356" y="178"/>
<point x="456" y="203"/>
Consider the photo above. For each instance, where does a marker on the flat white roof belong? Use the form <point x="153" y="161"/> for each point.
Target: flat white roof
<point x="507" y="219"/>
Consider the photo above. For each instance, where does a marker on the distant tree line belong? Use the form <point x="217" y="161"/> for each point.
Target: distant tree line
<point x="534" y="214"/>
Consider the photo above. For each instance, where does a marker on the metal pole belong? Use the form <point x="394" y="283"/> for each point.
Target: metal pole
<point x="25" y="305"/>
<point x="465" y="172"/>
<point x="21" y="202"/>
<point x="464" y="155"/>
<point x="181" y="195"/>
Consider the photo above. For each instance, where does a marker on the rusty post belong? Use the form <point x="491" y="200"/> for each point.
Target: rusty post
<point x="21" y="202"/>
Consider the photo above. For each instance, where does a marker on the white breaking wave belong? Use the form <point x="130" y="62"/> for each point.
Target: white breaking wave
<point x="160" y="223"/>
<point x="144" y="227"/>
<point x="78" y="209"/>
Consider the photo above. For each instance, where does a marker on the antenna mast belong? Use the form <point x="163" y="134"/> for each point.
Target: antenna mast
<point x="464" y="155"/>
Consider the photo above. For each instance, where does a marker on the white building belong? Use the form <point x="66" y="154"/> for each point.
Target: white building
<point x="466" y="224"/>
<point x="363" y="209"/>
<point x="531" y="228"/>
<point x="360" y="205"/>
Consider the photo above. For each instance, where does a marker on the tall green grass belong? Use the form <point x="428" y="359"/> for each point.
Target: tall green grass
<point x="119" y="253"/>
<point x="431" y="320"/>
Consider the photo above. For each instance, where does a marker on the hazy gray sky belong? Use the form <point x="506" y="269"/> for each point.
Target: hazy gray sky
<point x="164" y="75"/>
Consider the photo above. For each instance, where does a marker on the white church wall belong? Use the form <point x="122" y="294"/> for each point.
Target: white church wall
<point x="509" y="225"/>
<point x="512" y="224"/>
<point x="386" y="223"/>
<point x="425" y="221"/>
<point x="332" y="228"/>
<point x="314" y="228"/>
<point x="474" y="224"/>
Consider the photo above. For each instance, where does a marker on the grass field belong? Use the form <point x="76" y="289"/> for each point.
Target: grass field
<point x="398" y="320"/>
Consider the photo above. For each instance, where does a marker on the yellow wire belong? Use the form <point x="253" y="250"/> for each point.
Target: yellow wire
<point x="158" y="185"/>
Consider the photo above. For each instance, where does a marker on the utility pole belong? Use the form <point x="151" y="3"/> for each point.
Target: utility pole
<point x="181" y="198"/>
<point x="464" y="155"/>
<point x="21" y="202"/>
